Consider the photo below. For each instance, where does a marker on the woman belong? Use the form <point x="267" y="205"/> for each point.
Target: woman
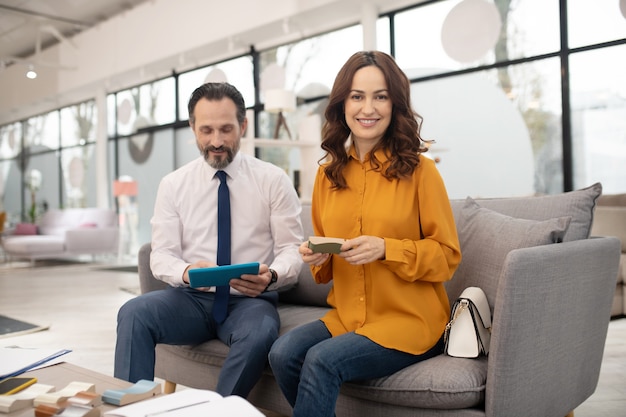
<point x="389" y="305"/>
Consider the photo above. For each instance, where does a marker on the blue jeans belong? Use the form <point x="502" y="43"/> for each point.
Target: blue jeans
<point x="182" y="316"/>
<point x="310" y="365"/>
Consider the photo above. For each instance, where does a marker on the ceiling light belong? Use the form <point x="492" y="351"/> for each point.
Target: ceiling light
<point x="31" y="73"/>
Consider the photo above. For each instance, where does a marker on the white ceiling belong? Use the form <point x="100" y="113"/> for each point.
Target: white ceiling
<point x="22" y="21"/>
<point x="25" y="24"/>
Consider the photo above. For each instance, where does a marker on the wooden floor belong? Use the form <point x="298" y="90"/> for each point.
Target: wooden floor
<point x="80" y="303"/>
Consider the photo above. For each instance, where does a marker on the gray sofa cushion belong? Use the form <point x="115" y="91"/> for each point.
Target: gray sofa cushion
<point x="306" y="291"/>
<point x="442" y="382"/>
<point x="578" y="204"/>
<point x="486" y="237"/>
<point x="214" y="351"/>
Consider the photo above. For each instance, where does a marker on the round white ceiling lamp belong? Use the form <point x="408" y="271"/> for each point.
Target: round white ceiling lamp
<point x="124" y="111"/>
<point x="216" y="76"/>
<point x="622" y="7"/>
<point x="315" y="89"/>
<point x="273" y="77"/>
<point x="31" y="73"/>
<point x="470" y="30"/>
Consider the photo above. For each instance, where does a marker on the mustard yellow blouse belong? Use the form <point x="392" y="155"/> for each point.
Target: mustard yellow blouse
<point x="399" y="302"/>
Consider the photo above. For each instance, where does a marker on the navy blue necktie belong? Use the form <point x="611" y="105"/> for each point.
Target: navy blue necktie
<point x="220" y="306"/>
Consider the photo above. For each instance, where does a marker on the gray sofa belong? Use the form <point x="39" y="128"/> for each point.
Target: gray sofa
<point x="610" y="220"/>
<point x="551" y="305"/>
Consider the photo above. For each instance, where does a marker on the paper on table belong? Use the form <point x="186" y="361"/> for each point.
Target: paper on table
<point x="17" y="360"/>
<point x="159" y="406"/>
<point x="231" y="406"/>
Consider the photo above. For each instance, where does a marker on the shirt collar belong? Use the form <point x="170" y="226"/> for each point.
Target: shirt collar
<point x="380" y="154"/>
<point x="231" y="169"/>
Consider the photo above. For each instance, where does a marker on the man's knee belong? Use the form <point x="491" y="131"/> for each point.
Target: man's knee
<point x="137" y="311"/>
<point x="257" y="337"/>
<point x="130" y="309"/>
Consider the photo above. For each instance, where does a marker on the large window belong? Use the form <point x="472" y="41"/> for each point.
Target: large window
<point x="41" y="133"/>
<point x="144" y="106"/>
<point x="78" y="165"/>
<point x="598" y="97"/>
<point x="238" y="71"/>
<point x="481" y="126"/>
<point x="592" y="22"/>
<point x="439" y="37"/>
<point x="10" y="172"/>
<point x="545" y="119"/>
<point x="78" y="124"/>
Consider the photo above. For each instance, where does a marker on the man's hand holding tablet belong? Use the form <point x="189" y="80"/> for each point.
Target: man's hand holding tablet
<point x="220" y="275"/>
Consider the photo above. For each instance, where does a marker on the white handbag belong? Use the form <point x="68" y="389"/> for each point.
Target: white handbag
<point x="468" y="333"/>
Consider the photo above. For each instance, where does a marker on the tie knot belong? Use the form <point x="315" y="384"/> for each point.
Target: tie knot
<point x="221" y="175"/>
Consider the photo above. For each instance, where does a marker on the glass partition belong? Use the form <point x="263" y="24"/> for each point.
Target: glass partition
<point x="591" y="22"/>
<point x="482" y="128"/>
<point x="186" y="149"/>
<point x="41" y="133"/>
<point x="111" y="116"/>
<point x="238" y="72"/>
<point x="11" y="191"/>
<point x="147" y="105"/>
<point x="437" y="39"/>
<point x="147" y="172"/>
<point x="78" y="165"/>
<point x="598" y="101"/>
<point x="10" y="140"/>
<point x="78" y="124"/>
<point x="42" y="185"/>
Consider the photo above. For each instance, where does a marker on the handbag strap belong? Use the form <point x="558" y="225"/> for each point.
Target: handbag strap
<point x="477" y="297"/>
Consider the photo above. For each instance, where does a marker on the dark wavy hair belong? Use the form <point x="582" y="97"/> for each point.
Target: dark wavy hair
<point x="217" y="91"/>
<point x="401" y="142"/>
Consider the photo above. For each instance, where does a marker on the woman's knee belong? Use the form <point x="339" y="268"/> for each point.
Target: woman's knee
<point x="316" y="357"/>
<point x="281" y="351"/>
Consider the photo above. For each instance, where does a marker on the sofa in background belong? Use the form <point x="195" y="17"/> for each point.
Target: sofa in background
<point x="610" y="220"/>
<point x="63" y="233"/>
<point x="551" y="307"/>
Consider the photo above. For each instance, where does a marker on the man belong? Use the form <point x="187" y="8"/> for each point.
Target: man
<point x="265" y="228"/>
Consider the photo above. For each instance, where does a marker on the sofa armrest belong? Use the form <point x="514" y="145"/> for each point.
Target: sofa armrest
<point x="147" y="281"/>
<point x="91" y="240"/>
<point x="550" y="322"/>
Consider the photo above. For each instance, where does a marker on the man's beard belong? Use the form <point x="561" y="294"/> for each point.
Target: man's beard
<point x="221" y="161"/>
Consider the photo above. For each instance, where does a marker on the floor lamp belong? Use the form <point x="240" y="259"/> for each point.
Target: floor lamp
<point x="125" y="191"/>
<point x="280" y="101"/>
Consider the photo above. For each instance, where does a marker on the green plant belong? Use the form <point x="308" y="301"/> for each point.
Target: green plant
<point x="33" y="183"/>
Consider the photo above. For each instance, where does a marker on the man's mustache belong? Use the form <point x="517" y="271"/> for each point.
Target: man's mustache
<point x="211" y="148"/>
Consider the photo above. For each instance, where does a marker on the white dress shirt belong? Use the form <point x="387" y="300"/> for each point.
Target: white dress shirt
<point x="265" y="213"/>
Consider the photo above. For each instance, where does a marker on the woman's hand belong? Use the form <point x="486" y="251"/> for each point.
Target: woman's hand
<point x="363" y="250"/>
<point x="311" y="258"/>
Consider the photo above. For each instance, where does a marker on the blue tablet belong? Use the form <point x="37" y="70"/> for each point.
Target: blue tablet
<point x="220" y="275"/>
